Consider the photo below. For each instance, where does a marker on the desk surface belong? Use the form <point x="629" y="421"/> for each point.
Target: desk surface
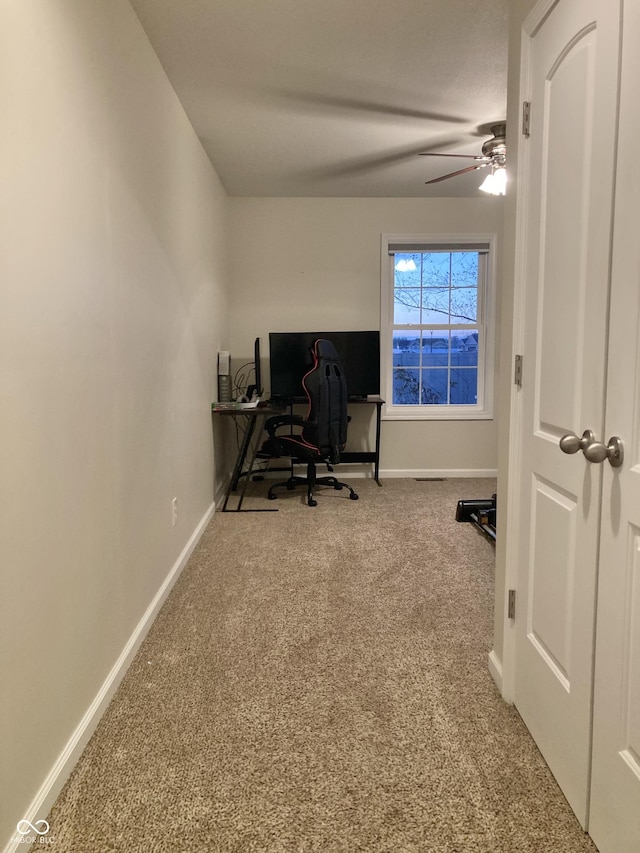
<point x="230" y="409"/>
<point x="274" y="408"/>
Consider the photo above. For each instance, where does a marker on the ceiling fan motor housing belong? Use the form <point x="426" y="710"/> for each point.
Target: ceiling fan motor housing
<point x="495" y="149"/>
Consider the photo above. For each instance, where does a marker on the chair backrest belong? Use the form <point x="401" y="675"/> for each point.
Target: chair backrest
<point x="326" y="389"/>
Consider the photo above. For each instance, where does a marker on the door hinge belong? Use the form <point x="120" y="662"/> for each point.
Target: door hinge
<point x="526" y="118"/>
<point x="511" y="607"/>
<point x="517" y="372"/>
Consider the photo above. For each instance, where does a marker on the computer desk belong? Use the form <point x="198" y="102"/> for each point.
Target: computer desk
<point x="251" y="418"/>
<point x="248" y="419"/>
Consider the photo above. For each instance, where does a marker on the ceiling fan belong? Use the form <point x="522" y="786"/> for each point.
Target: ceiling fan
<point x="494" y="154"/>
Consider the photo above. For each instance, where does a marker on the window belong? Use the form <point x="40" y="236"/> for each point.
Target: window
<point x="437" y="326"/>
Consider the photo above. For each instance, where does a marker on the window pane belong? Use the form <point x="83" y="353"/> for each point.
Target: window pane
<point x="464" y="349"/>
<point x="435" y="348"/>
<point x="406" y="386"/>
<point x="407" y="269"/>
<point x="406" y="306"/>
<point x="434" y="386"/>
<point x="435" y="305"/>
<point x="464" y="386"/>
<point x="464" y="305"/>
<point x="436" y="269"/>
<point x="406" y="349"/>
<point x="464" y="269"/>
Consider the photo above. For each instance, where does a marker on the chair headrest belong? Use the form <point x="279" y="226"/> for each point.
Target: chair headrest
<point x="325" y="349"/>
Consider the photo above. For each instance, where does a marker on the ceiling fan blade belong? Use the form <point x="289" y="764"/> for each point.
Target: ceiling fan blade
<point x="368" y="163"/>
<point x="459" y="172"/>
<point x="363" y="105"/>
<point x="438" y="154"/>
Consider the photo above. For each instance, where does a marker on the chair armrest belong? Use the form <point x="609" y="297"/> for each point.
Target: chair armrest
<point x="272" y="425"/>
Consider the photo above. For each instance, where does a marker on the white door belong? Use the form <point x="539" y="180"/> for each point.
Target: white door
<point x="570" y="157"/>
<point x="615" y="788"/>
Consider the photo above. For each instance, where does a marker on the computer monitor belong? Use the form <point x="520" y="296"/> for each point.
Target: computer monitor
<point x="258" y="371"/>
<point x="255" y="389"/>
<point x="290" y="359"/>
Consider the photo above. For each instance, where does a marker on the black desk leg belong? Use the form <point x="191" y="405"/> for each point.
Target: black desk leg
<point x="240" y="460"/>
<point x="242" y="452"/>
<point x="376" y="471"/>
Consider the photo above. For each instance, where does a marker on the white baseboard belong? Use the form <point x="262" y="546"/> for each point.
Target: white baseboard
<point x="220" y="492"/>
<point x="445" y="473"/>
<point x="495" y="668"/>
<point x="66" y="761"/>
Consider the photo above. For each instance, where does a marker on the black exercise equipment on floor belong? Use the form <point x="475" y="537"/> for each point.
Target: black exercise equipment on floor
<point x="480" y="512"/>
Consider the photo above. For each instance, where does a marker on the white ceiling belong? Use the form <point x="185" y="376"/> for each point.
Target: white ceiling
<point x="336" y="97"/>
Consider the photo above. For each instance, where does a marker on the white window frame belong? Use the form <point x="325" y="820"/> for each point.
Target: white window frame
<point x="483" y="409"/>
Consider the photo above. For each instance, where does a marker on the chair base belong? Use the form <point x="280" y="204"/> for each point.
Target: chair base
<point x="311" y="481"/>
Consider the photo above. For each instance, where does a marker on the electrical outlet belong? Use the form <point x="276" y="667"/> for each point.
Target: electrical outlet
<point x="174" y="508"/>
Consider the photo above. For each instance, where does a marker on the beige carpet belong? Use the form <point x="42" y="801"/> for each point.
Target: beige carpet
<point x="317" y="681"/>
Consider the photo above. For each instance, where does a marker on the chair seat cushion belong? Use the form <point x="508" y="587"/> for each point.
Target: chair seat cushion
<point x="288" y="446"/>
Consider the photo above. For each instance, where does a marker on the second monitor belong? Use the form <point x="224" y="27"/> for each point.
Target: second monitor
<point x="290" y="359"/>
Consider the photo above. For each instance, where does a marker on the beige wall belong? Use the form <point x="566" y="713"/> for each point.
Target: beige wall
<point x="112" y="270"/>
<point x="302" y="264"/>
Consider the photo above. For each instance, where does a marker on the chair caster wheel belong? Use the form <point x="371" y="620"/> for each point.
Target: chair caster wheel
<point x="311" y="502"/>
<point x="290" y="487"/>
<point x="272" y="497"/>
<point x="338" y="487"/>
<point x="353" y="496"/>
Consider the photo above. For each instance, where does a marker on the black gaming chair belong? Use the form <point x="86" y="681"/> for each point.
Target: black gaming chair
<point x="323" y="432"/>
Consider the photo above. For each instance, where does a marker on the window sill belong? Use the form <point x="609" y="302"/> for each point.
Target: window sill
<point x="424" y="413"/>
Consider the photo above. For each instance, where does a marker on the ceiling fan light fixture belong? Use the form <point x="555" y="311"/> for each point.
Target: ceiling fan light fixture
<point x="496" y="181"/>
